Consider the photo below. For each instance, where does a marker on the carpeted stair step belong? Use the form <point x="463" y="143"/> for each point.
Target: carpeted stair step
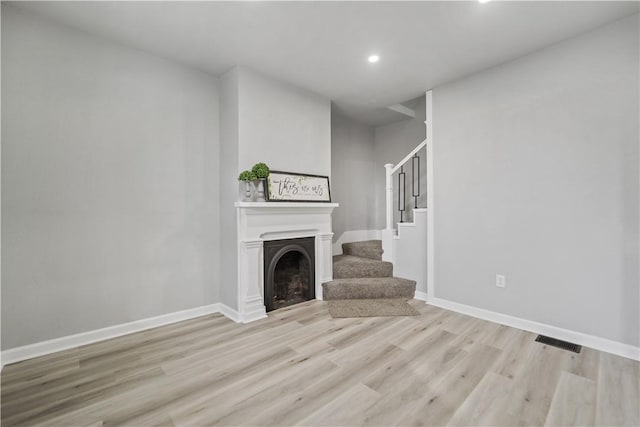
<point x="367" y="249"/>
<point x="369" y="288"/>
<point x="349" y="266"/>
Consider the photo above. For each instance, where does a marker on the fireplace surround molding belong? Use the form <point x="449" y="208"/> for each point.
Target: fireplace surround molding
<point x="258" y="222"/>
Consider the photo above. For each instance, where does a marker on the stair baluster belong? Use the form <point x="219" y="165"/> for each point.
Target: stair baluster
<point x="402" y="202"/>
<point x="391" y="235"/>
<point x="415" y="177"/>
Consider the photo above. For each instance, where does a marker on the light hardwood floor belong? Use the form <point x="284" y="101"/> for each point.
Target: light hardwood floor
<point x="301" y="367"/>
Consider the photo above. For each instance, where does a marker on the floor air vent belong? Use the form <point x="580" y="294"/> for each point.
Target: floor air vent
<point x="559" y="343"/>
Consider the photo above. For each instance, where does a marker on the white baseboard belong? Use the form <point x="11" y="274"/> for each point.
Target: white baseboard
<point x="422" y="296"/>
<point x="238" y="317"/>
<point x="598" y="343"/>
<point x="354" y="236"/>
<point x="30" y="351"/>
<point x="229" y="312"/>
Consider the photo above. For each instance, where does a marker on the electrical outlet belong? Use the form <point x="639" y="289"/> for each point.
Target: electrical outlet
<point x="501" y="281"/>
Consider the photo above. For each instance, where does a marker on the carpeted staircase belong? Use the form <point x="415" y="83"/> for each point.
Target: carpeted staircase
<point x="360" y="273"/>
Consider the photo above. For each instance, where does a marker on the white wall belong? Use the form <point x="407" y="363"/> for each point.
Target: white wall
<point x="536" y="177"/>
<point x="264" y="120"/>
<point x="286" y="127"/>
<point x="229" y="170"/>
<point x="109" y="183"/>
<point x="1" y="365"/>
<point x="391" y="143"/>
<point x="352" y="176"/>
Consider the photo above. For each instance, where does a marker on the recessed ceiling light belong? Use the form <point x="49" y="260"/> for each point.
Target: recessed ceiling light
<point x="484" y="1"/>
<point x="374" y="58"/>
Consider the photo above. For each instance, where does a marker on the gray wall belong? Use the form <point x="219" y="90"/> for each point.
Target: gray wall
<point x="109" y="183"/>
<point x="1" y="365"/>
<point x="536" y="177"/>
<point x="282" y="125"/>
<point x="391" y="143"/>
<point x="352" y="175"/>
<point x="229" y="188"/>
<point x="264" y="120"/>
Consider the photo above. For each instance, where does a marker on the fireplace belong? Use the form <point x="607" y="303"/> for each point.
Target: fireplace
<point x="259" y="225"/>
<point x="289" y="272"/>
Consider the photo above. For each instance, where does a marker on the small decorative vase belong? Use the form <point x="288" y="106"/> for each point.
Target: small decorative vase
<point x="247" y="194"/>
<point x="260" y="185"/>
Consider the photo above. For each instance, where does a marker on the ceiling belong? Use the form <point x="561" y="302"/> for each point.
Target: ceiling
<point x="323" y="46"/>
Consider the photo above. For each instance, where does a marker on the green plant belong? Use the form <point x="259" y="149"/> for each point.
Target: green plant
<point x="247" y="176"/>
<point x="260" y="170"/>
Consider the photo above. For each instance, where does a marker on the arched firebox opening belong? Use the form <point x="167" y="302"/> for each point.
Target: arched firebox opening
<point x="289" y="272"/>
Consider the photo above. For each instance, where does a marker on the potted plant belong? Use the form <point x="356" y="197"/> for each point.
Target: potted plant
<point x="246" y="177"/>
<point x="261" y="172"/>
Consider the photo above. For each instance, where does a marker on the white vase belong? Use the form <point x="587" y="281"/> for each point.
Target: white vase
<point x="247" y="194"/>
<point x="259" y="186"/>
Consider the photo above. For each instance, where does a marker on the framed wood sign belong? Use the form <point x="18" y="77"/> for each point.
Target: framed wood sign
<point x="297" y="187"/>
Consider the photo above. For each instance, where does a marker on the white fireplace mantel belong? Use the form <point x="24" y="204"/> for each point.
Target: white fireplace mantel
<point x="261" y="221"/>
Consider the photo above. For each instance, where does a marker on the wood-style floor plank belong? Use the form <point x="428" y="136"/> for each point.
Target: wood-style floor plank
<point x="574" y="403"/>
<point x="618" y="391"/>
<point x="299" y="366"/>
<point x="484" y="401"/>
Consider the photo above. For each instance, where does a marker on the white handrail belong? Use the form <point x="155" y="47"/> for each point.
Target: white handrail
<point x="390" y="170"/>
<point x="388" y="233"/>
<point x="409" y="156"/>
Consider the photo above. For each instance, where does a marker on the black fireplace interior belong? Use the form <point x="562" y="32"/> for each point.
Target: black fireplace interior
<point x="289" y="272"/>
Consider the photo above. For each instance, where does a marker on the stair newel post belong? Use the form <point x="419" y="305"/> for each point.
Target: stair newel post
<point x="389" y="192"/>
<point x="388" y="232"/>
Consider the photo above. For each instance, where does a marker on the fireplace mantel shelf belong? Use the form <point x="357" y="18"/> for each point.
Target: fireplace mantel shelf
<point x="287" y="205"/>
